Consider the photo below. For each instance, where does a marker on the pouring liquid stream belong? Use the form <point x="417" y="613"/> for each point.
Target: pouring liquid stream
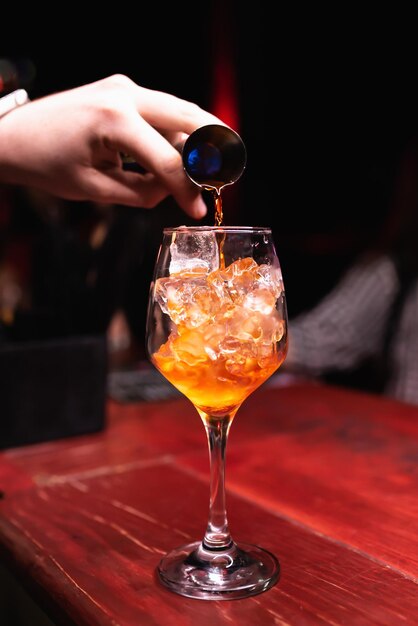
<point x="214" y="156"/>
<point x="219" y="218"/>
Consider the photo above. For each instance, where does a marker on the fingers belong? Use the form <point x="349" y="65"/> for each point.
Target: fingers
<point x="114" y="186"/>
<point x="147" y="146"/>
<point x="119" y="187"/>
<point x="133" y="190"/>
<point x="165" y="111"/>
<point x="151" y="123"/>
<point x="176" y="139"/>
<point x="161" y="110"/>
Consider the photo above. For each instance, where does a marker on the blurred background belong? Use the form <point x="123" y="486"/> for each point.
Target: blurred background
<point x="325" y="105"/>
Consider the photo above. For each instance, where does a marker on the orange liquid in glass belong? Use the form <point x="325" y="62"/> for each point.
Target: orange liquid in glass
<point x="212" y="387"/>
<point x="228" y="336"/>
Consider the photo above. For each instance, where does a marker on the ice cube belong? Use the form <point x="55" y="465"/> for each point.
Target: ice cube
<point x="260" y="300"/>
<point x="271" y="279"/>
<point x="189" y="301"/>
<point x="196" y="250"/>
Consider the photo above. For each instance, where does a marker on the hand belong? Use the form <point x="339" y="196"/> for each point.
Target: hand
<point x="69" y="144"/>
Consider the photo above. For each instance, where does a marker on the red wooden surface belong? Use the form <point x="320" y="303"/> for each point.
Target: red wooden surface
<point x="325" y="478"/>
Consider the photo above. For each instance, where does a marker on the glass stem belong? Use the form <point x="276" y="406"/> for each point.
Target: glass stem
<point x="217" y="536"/>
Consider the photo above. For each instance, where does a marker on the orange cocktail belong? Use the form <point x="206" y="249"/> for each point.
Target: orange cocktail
<point x="226" y="332"/>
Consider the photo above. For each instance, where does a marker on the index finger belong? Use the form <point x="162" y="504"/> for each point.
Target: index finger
<point x="147" y="146"/>
<point x="165" y="111"/>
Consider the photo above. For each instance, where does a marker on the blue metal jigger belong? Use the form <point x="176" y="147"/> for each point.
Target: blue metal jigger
<point x="214" y="156"/>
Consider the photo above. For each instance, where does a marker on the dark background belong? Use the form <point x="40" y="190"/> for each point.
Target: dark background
<point x="326" y="106"/>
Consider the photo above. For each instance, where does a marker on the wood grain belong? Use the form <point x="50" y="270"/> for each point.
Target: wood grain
<point x="98" y="554"/>
<point x="323" y="477"/>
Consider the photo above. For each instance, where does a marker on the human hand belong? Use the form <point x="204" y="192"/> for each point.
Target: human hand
<point x="69" y="144"/>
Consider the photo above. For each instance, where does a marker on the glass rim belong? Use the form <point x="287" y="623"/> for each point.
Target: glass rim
<point x="221" y="229"/>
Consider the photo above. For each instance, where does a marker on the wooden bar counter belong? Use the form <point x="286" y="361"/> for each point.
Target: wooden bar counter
<point x="324" y="477"/>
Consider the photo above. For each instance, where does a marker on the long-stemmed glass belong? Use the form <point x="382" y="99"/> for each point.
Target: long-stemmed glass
<point x="217" y="329"/>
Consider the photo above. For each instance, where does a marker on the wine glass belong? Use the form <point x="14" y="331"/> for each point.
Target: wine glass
<point x="217" y="329"/>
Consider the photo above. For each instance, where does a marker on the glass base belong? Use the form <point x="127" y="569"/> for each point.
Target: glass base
<point x="239" y="571"/>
